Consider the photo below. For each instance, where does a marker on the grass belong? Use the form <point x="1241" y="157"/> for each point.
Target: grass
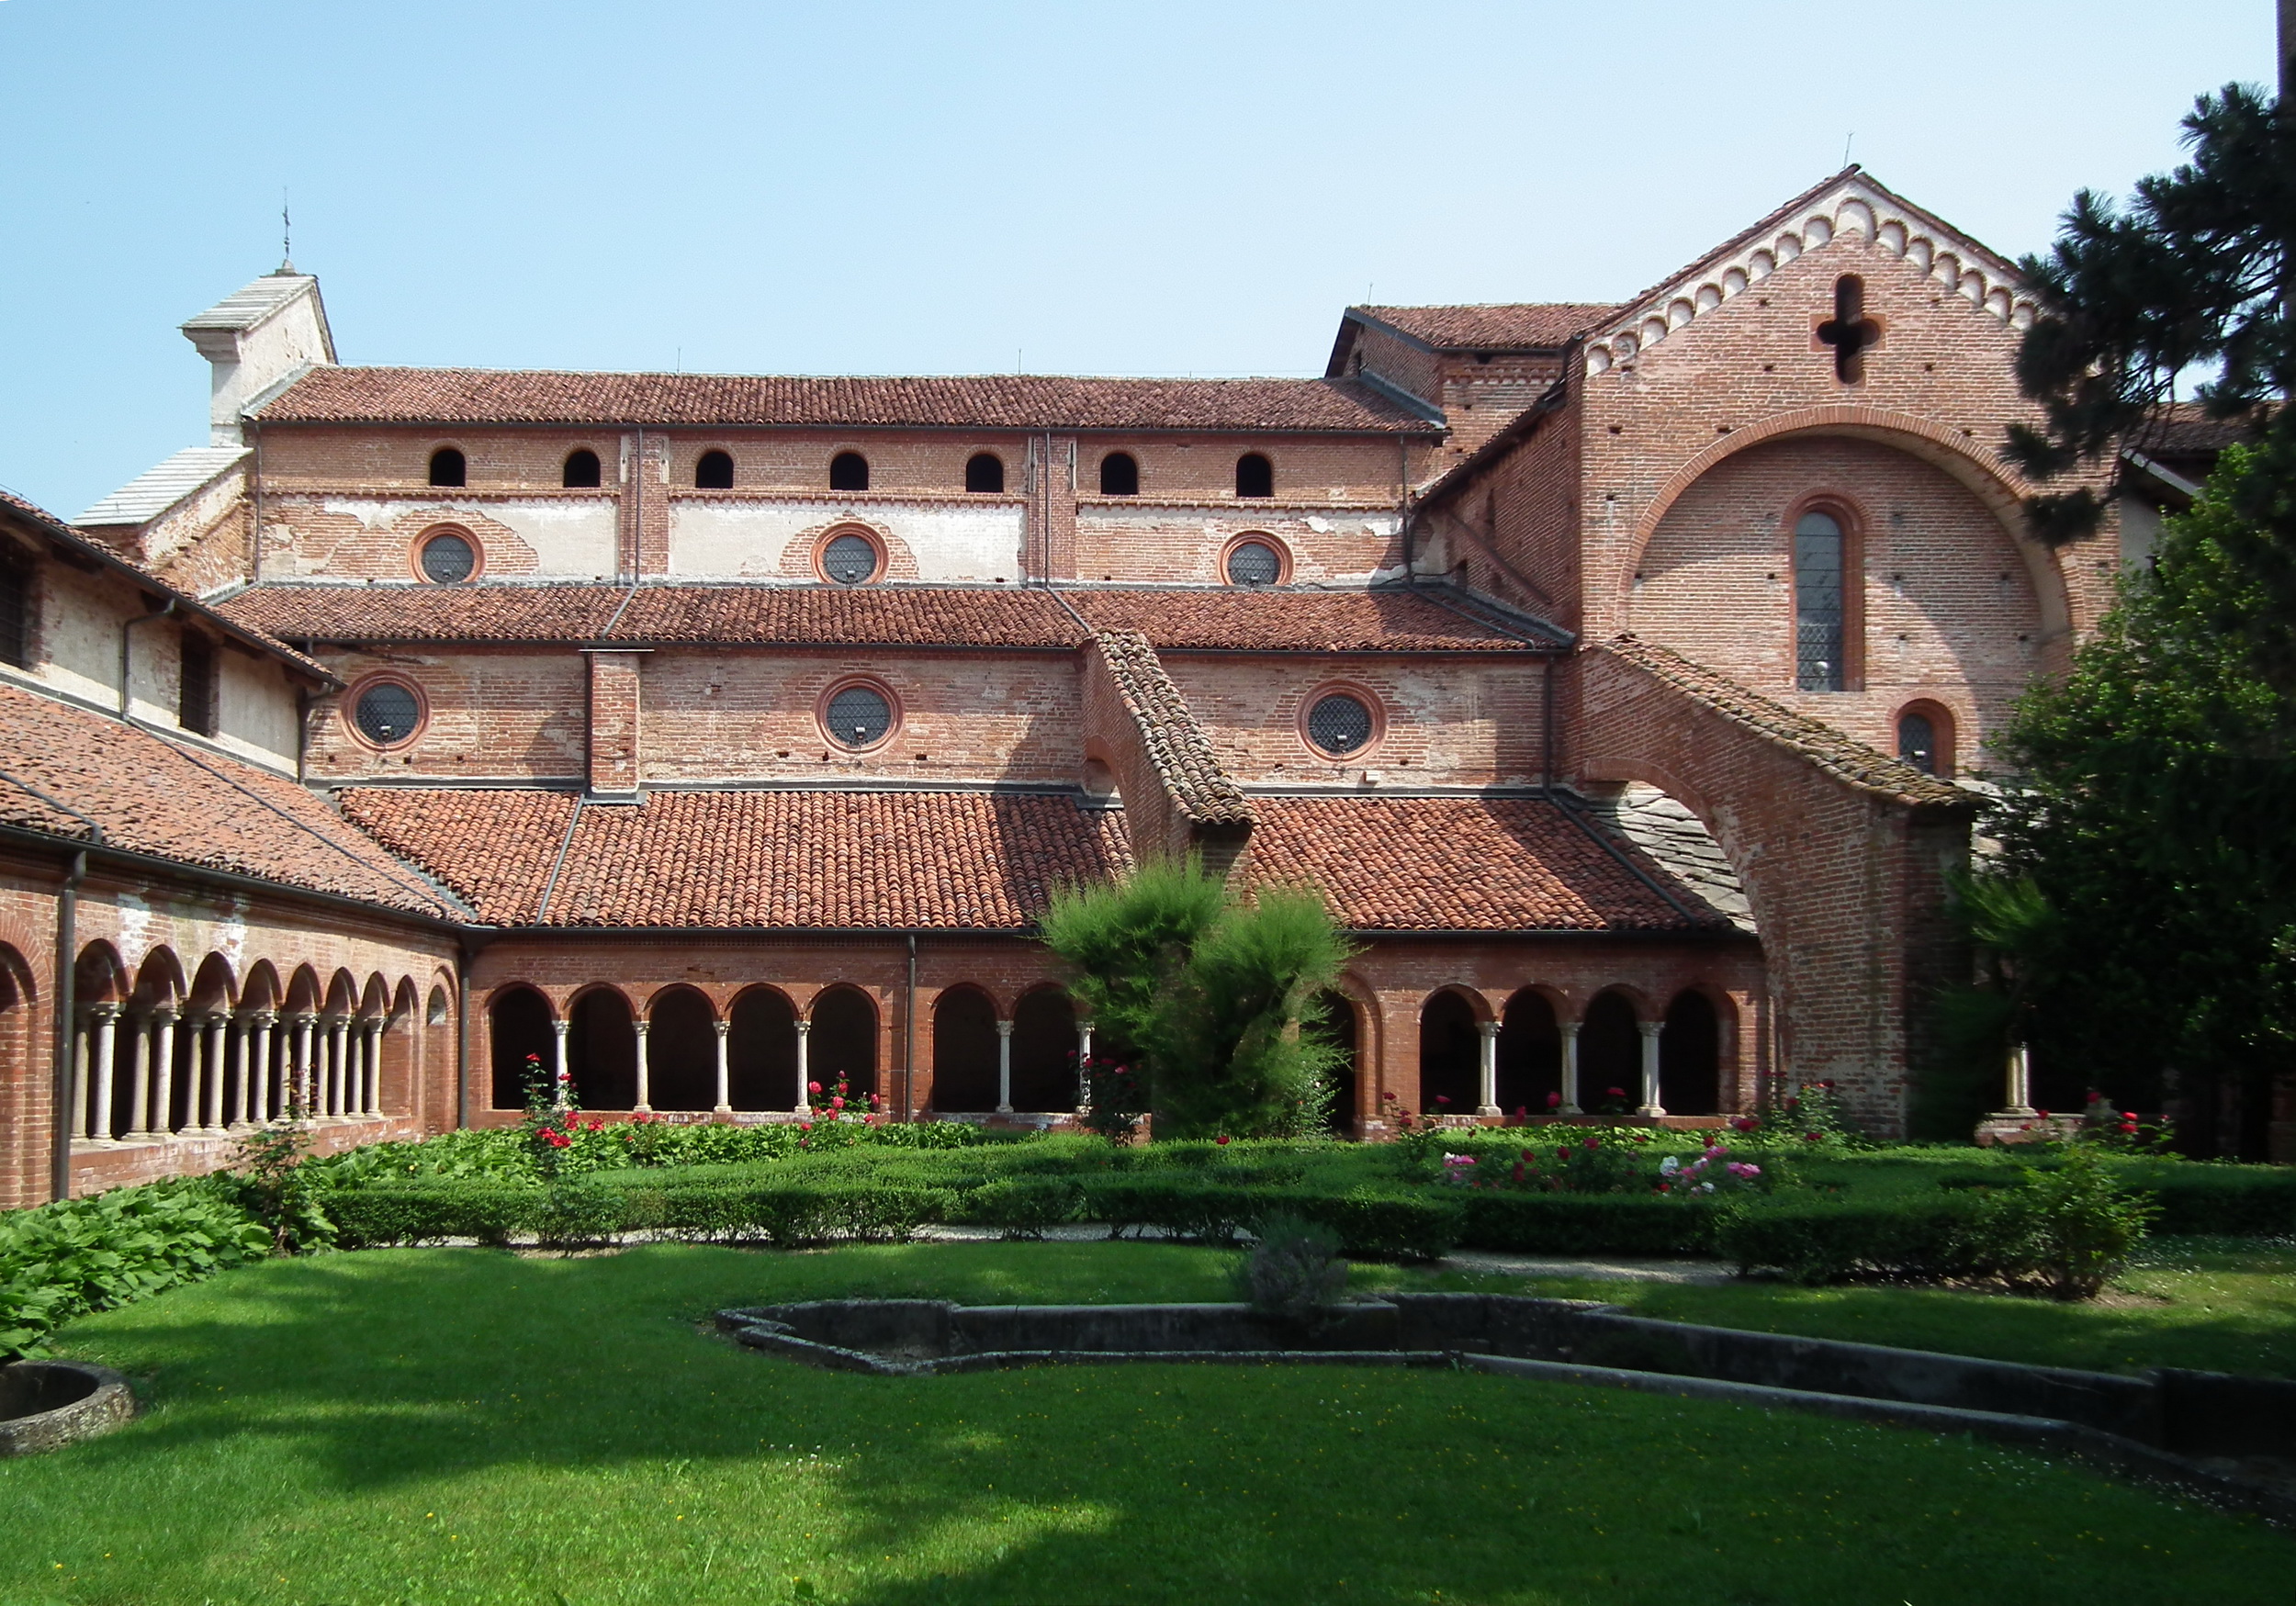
<point x="464" y="1426"/>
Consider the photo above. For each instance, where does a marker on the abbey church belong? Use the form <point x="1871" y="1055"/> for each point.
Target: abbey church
<point x="1613" y="670"/>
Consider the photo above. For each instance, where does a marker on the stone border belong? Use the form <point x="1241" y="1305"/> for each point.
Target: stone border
<point x="103" y="1401"/>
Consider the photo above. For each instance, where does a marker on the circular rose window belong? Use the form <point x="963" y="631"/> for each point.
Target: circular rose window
<point x="858" y="718"/>
<point x="1254" y="563"/>
<point x="386" y="713"/>
<point x="448" y="558"/>
<point x="849" y="560"/>
<point x="1340" y="724"/>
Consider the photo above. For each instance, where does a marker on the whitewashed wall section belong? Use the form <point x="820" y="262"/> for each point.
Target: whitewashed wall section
<point x="746" y="540"/>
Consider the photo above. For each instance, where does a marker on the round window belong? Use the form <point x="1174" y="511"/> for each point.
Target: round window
<point x="448" y="558"/>
<point x="859" y="717"/>
<point x="1340" y="724"/>
<point x="850" y="560"/>
<point x="1254" y="563"/>
<point x="386" y="713"/>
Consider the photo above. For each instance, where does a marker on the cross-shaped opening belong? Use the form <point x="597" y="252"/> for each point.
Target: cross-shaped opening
<point x="1849" y="332"/>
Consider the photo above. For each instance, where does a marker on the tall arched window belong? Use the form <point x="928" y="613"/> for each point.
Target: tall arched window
<point x="1925" y="738"/>
<point x="983" y="471"/>
<point x="714" y="471"/>
<point x="448" y="467"/>
<point x="582" y="469"/>
<point x="1818" y="619"/>
<point x="1254" y="476"/>
<point x="1120" y="474"/>
<point x="848" y="471"/>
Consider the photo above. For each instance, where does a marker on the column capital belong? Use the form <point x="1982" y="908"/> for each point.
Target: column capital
<point x="1004" y="1028"/>
<point x="105" y="1011"/>
<point x="804" y="1028"/>
<point x="722" y="1027"/>
<point x="1649" y="1028"/>
<point x="262" y="1016"/>
<point x="560" y="1026"/>
<point x="641" y="1025"/>
<point x="1489" y="1029"/>
<point x="1569" y="1028"/>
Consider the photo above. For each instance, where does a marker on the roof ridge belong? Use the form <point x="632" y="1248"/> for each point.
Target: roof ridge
<point x="1175" y="742"/>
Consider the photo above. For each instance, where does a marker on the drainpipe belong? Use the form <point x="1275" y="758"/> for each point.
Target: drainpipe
<point x="67" y="1006"/>
<point x="908" y="1042"/>
<point x="126" y="694"/>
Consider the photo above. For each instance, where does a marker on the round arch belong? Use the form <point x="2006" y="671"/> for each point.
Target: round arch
<point x="964" y="1050"/>
<point x="1610" y="1049"/>
<point x="601" y="1046"/>
<point x="1044" y="1045"/>
<point x="1530" y="1052"/>
<point x="520" y="1027"/>
<point x="761" y="1051"/>
<point x="1691" y="1051"/>
<point x="1340" y="1018"/>
<point x="1451" y="1052"/>
<point x="843" y="1042"/>
<point x="681" y="1050"/>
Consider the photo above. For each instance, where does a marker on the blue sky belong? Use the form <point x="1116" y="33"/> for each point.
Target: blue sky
<point x="863" y="188"/>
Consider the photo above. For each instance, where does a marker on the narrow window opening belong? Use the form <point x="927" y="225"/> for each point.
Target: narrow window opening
<point x="714" y="471"/>
<point x="195" y="686"/>
<point x="1917" y="741"/>
<point x="1817" y="610"/>
<point x="448" y="467"/>
<point x="1849" y="332"/>
<point x="985" y="472"/>
<point x="1254" y="476"/>
<point x="582" y="469"/>
<point x="848" y="471"/>
<point x="1120" y="474"/>
<point x="15" y="610"/>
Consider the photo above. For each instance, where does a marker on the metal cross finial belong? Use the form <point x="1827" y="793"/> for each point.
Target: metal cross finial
<point x="287" y="235"/>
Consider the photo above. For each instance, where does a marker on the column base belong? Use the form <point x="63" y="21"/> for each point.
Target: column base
<point x="1004" y="1109"/>
<point x="1569" y="1109"/>
<point x="1489" y="1112"/>
<point x="1650" y="1111"/>
<point x="721" y="1109"/>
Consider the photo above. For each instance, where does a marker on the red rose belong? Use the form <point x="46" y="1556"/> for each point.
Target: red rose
<point x="1221" y="1139"/>
<point x="1554" y="1101"/>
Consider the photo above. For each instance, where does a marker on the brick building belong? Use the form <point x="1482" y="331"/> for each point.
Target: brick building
<point x="1609" y="669"/>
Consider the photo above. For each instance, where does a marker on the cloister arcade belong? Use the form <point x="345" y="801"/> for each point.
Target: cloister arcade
<point x="1534" y="1054"/>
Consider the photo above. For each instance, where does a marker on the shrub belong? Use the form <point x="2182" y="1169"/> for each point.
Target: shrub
<point x="1820" y="1241"/>
<point x="1025" y="1205"/>
<point x="1294" y="1273"/>
<point x="2072" y="1228"/>
<point x="58" y="1260"/>
<point x="373" y="1218"/>
<point x="1385" y="1225"/>
<point x="1562" y="1223"/>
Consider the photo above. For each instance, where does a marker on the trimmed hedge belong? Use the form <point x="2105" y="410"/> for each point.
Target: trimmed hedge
<point x="594" y="1209"/>
<point x="1824" y="1242"/>
<point x="2211" y="1200"/>
<point x="1420" y="1224"/>
<point x="1586" y="1223"/>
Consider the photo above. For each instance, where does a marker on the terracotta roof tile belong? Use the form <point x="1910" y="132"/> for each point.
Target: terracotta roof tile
<point x="1173" y="742"/>
<point x="1508" y="326"/>
<point x="1001" y="401"/>
<point x="1459" y="864"/>
<point x="152" y="795"/>
<point x="338" y="613"/>
<point x="1280" y="619"/>
<point x="739" y="859"/>
<point x="1839" y="755"/>
<point x="855" y="615"/>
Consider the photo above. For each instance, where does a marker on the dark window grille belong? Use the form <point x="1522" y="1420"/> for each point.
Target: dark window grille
<point x="985" y="472"/>
<point x="448" y="467"/>
<point x="848" y="471"/>
<point x="849" y="560"/>
<point x="859" y="717"/>
<point x="582" y="470"/>
<point x="15" y="610"/>
<point x="1916" y="742"/>
<point x="714" y="471"/>
<point x="1254" y="563"/>
<point x="1120" y="474"/>
<point x="1254" y="476"/>
<point x="1818" y="610"/>
<point x="195" y="687"/>
<point x="1339" y="725"/>
<point x="386" y="713"/>
<point x="448" y="559"/>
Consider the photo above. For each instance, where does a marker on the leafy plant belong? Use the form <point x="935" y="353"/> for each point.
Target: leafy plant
<point x="1294" y="1273"/>
<point x="276" y="1188"/>
<point x="2072" y="1226"/>
<point x="58" y="1260"/>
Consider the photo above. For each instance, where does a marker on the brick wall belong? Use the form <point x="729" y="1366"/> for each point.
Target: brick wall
<point x="494" y="714"/>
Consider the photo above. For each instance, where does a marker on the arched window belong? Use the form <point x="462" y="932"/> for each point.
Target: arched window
<point x="1450" y="1057"/>
<point x="983" y="471"/>
<point x="1917" y="743"/>
<point x="1254" y="476"/>
<point x="582" y="469"/>
<point x="1818" y="619"/>
<point x="1120" y="474"/>
<point x="964" y="1050"/>
<point x="714" y="471"/>
<point x="448" y="467"/>
<point x="16" y="609"/>
<point x="848" y="471"/>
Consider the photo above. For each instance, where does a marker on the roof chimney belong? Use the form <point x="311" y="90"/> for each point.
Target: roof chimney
<point x="258" y="338"/>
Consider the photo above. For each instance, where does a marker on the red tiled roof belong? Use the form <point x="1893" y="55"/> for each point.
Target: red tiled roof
<point x="825" y="861"/>
<point x="152" y="795"/>
<point x="1288" y="621"/>
<point x="848" y="615"/>
<point x="412" y="613"/>
<point x="1501" y="326"/>
<point x="1173" y="743"/>
<point x="995" y="402"/>
<point x="1459" y="864"/>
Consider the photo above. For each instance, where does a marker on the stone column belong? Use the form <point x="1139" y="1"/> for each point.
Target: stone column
<point x="558" y="1031"/>
<point x="243" y="1071"/>
<point x="725" y="1069"/>
<point x="107" y="1018"/>
<point x="374" y="1066"/>
<point x="2020" y="1082"/>
<point x="140" y="1085"/>
<point x="300" y="1077"/>
<point x="338" y="1063"/>
<point x="1084" y="1058"/>
<point x="1649" y="1030"/>
<point x="804" y="1076"/>
<point x="1570" y="1105"/>
<point x="260" y="1063"/>
<point x="194" y="1069"/>
<point x="1487" y="1067"/>
<point x="1004" y="1067"/>
<point x="645" y="1068"/>
<point x="83" y="1032"/>
<point x="211" y="1112"/>
<point x="164" y="1070"/>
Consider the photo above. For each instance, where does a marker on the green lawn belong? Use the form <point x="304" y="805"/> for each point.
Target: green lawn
<point x="463" y="1426"/>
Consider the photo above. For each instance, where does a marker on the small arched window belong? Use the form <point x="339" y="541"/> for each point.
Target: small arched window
<point x="848" y="471"/>
<point x="983" y="471"/>
<point x="1917" y="741"/>
<point x="1818" y="604"/>
<point x="582" y="469"/>
<point x="1120" y="474"/>
<point x="714" y="471"/>
<point x="1254" y="476"/>
<point x="448" y="467"/>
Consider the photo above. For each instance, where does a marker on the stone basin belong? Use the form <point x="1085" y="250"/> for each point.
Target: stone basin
<point x="45" y="1404"/>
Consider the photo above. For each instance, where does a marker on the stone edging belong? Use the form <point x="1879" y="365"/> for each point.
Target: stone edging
<point x="94" y="1400"/>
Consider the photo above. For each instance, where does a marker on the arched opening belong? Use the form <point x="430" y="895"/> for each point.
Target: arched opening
<point x="1610" y="1055"/>
<point x="1120" y="474"/>
<point x="582" y="469"/>
<point x="1690" y="1057"/>
<point x="682" y="1052"/>
<point x="20" y="1141"/>
<point x="1925" y="738"/>
<point x="1530" y="1054"/>
<point x="848" y="471"/>
<point x="964" y="1050"/>
<point x="395" y="1089"/>
<point x="1044" y="1051"/>
<point x="1334" y="1016"/>
<point x="1819" y="645"/>
<point x="843" y="1042"/>
<point x="985" y="472"/>
<point x="761" y="1052"/>
<point x="1451" y="1052"/>
<point x="447" y="467"/>
<point x="519" y="1031"/>
<point x="714" y="470"/>
<point x="438" y="1060"/>
<point x="1254" y="476"/>
<point x="602" y="1050"/>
